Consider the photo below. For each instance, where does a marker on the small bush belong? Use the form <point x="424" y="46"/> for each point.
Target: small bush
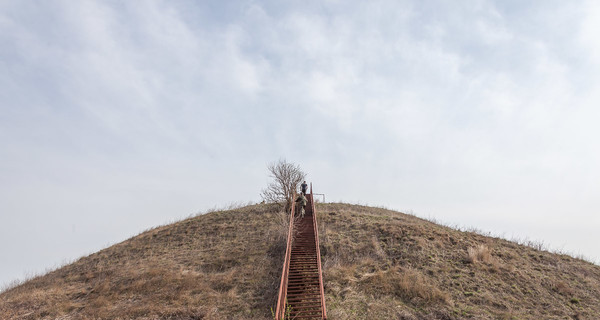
<point x="562" y="288"/>
<point x="481" y="253"/>
<point x="574" y="300"/>
<point x="408" y="284"/>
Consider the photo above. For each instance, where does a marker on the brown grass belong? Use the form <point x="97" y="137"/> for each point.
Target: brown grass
<point x="563" y="288"/>
<point x="221" y="265"/>
<point x="408" y="284"/>
<point x="381" y="264"/>
<point x="480" y="253"/>
<point x="377" y="264"/>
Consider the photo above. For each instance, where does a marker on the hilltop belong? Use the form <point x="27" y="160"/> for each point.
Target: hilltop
<point x="377" y="264"/>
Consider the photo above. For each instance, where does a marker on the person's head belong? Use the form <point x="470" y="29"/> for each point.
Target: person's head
<point x="304" y="181"/>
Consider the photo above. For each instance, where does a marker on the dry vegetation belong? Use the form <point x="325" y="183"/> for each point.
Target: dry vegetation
<point x="377" y="264"/>
<point x="220" y="265"/>
<point x="381" y="264"/>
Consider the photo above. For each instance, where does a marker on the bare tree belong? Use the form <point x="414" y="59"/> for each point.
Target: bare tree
<point x="286" y="179"/>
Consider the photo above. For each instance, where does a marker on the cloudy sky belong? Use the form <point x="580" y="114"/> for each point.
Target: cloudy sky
<point x="117" y="116"/>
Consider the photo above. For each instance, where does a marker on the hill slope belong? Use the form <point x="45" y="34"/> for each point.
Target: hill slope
<point x="377" y="264"/>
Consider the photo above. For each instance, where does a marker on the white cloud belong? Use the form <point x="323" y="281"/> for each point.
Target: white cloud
<point x="588" y="35"/>
<point x="157" y="108"/>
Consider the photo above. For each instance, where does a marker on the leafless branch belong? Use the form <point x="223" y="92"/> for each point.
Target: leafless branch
<point x="286" y="179"/>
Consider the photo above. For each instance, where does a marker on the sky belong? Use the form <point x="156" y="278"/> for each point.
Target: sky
<point x="118" y="116"/>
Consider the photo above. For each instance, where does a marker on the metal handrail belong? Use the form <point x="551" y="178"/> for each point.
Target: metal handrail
<point x="280" y="311"/>
<point x="320" y="194"/>
<point x="314" y="212"/>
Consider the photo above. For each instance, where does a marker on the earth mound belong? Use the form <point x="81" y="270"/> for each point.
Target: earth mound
<point x="377" y="264"/>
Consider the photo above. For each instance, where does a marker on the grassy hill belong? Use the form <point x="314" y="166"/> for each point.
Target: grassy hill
<point x="377" y="264"/>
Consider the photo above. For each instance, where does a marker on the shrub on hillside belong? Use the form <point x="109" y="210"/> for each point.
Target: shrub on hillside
<point x="408" y="284"/>
<point x="481" y="253"/>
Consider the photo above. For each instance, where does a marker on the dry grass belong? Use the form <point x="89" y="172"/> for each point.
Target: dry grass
<point x="407" y="284"/>
<point x="563" y="288"/>
<point x="220" y="265"/>
<point x="381" y="264"/>
<point x="377" y="264"/>
<point x="480" y="253"/>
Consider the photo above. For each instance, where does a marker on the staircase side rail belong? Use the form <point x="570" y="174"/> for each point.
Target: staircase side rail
<point x="314" y="212"/>
<point x="281" y="300"/>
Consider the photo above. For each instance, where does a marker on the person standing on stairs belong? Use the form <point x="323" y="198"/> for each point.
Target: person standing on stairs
<point x="304" y="186"/>
<point x="301" y="201"/>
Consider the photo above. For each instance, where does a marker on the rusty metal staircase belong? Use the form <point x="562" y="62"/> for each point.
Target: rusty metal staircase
<point x="301" y="293"/>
